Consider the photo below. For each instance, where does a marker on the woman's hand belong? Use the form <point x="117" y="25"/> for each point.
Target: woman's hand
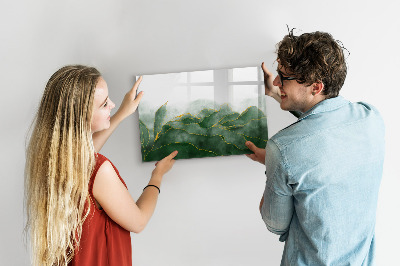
<point x="131" y="101"/>
<point x="163" y="166"/>
<point x="128" y="107"/>
<point x="270" y="89"/>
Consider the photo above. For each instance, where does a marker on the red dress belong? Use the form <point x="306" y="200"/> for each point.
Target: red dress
<point x="103" y="241"/>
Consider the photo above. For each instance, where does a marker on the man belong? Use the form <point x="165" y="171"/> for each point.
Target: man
<point x="323" y="171"/>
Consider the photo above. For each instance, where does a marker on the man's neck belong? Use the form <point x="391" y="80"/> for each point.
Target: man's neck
<point x="316" y="100"/>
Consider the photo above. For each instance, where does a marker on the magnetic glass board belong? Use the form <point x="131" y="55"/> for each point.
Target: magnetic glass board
<point x="204" y="113"/>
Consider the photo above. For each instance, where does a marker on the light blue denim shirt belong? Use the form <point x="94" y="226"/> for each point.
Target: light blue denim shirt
<point x="323" y="176"/>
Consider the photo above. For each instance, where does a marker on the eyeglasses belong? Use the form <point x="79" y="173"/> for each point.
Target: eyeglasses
<point x="282" y="78"/>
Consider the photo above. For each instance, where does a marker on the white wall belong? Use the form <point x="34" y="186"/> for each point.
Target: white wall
<point x="208" y="208"/>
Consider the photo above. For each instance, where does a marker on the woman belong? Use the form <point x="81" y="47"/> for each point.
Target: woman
<point x="78" y="207"/>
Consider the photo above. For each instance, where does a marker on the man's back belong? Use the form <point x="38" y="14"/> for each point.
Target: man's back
<point x="329" y="165"/>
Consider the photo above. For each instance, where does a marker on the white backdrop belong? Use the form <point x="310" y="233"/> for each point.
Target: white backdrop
<point x="208" y="208"/>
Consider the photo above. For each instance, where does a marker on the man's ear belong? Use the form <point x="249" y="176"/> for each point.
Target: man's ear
<point x="317" y="88"/>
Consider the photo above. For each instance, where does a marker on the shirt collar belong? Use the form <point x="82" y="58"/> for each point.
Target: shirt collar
<point x="325" y="106"/>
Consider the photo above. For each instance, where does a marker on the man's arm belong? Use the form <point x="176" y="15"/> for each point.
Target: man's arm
<point x="276" y="206"/>
<point x="128" y="107"/>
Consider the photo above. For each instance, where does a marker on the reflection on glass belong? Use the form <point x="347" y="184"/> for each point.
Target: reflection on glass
<point x="244" y="95"/>
<point x="244" y="74"/>
<point x="179" y="95"/>
<point x="182" y="77"/>
<point x="202" y="92"/>
<point x="202" y="76"/>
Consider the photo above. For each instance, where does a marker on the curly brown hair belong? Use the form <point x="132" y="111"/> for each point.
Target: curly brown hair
<point x="314" y="57"/>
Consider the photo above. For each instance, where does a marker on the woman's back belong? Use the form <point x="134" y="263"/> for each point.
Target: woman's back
<point x="103" y="242"/>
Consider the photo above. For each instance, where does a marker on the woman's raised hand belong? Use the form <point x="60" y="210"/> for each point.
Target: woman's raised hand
<point x="131" y="100"/>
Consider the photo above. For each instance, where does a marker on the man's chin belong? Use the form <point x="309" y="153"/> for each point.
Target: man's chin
<point x="285" y="108"/>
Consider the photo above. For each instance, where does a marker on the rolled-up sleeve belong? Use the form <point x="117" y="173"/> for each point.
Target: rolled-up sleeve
<point x="277" y="209"/>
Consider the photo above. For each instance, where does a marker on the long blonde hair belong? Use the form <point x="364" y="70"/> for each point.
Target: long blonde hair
<point x="59" y="161"/>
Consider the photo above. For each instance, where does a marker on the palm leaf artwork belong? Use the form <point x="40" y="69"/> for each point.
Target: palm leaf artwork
<point x="207" y="134"/>
<point x="173" y="117"/>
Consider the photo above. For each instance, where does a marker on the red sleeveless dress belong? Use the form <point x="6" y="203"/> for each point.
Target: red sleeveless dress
<point x="103" y="241"/>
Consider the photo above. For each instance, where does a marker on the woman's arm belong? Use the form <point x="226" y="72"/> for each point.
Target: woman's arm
<point x="128" y="107"/>
<point x="116" y="201"/>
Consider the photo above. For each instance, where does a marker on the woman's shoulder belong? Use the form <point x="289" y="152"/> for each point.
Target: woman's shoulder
<point x="102" y="164"/>
<point x="105" y="167"/>
<point x="100" y="158"/>
<point x="99" y="161"/>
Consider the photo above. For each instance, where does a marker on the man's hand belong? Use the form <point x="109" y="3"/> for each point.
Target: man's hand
<point x="259" y="154"/>
<point x="270" y="89"/>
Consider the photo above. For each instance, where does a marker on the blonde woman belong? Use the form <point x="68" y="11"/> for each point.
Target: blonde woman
<point x="78" y="207"/>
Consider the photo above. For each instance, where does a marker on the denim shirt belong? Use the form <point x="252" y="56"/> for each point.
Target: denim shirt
<point x="323" y="176"/>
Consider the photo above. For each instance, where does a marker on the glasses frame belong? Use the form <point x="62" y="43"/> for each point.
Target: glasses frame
<point x="282" y="78"/>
